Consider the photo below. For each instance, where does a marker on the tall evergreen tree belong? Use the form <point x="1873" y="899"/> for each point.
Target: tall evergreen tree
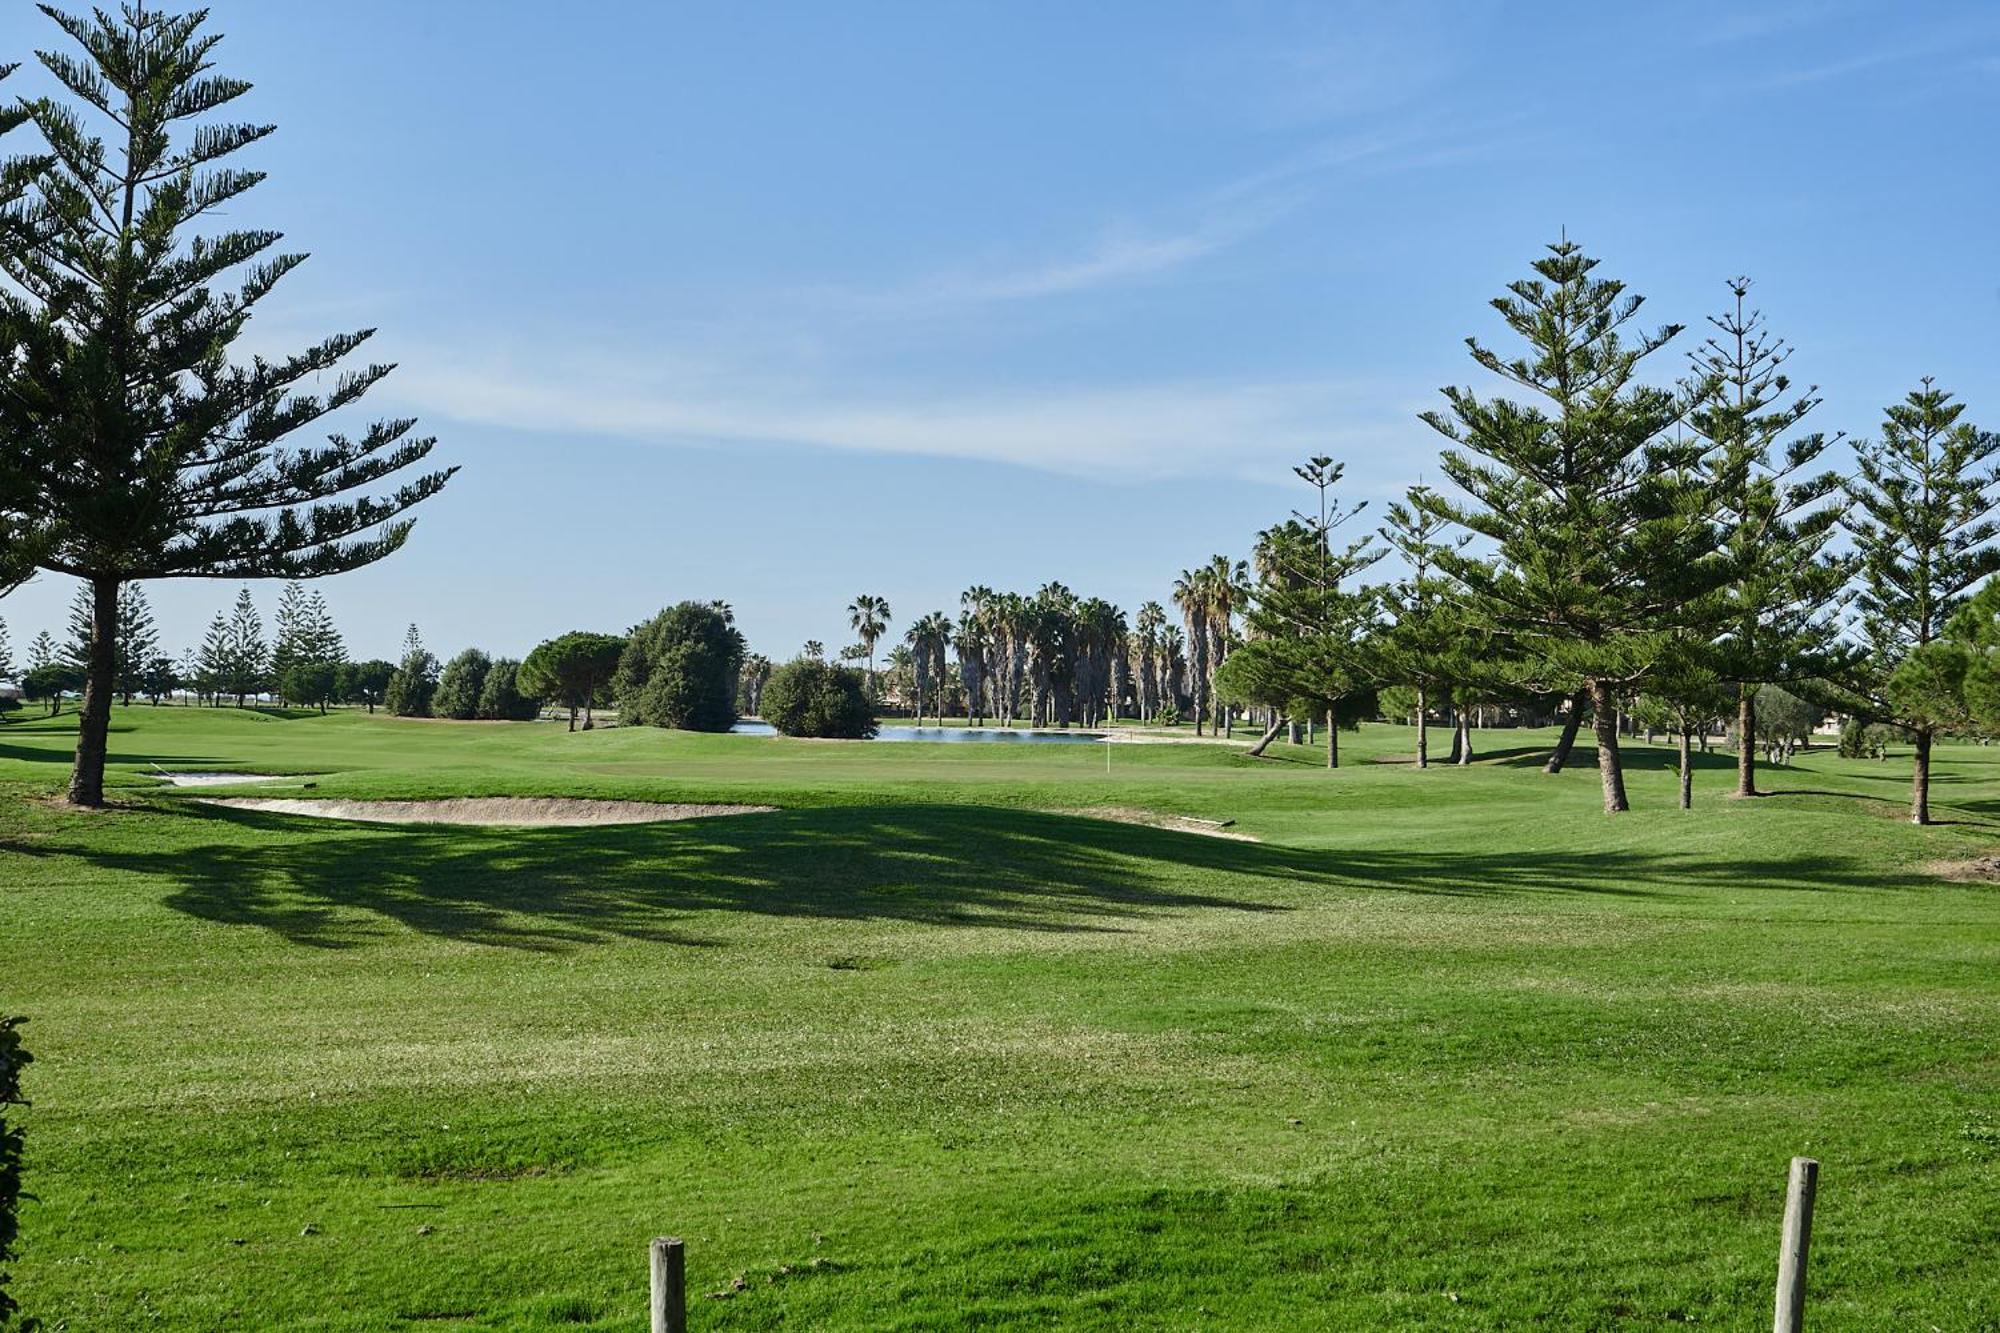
<point x="211" y="674"/>
<point x="247" y="668"/>
<point x="41" y="651"/>
<point x="287" y="629"/>
<point x="138" y="640"/>
<point x="24" y="528"/>
<point x="1605" y="545"/>
<point x="157" y="456"/>
<point x="1920" y="513"/>
<point x="1779" y="606"/>
<point x="320" y="636"/>
<point x="1307" y="620"/>
<point x="1422" y="647"/>
<point x="414" y="683"/>
<point x="6" y="654"/>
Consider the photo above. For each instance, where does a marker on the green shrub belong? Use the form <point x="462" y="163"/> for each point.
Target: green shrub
<point x="500" y="698"/>
<point x="679" y="670"/>
<point x="12" y="1060"/>
<point x="458" y="688"/>
<point x="810" y="698"/>
<point x="411" y="687"/>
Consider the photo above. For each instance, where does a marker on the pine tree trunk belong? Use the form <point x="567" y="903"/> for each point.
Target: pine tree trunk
<point x="1687" y="772"/>
<point x="1277" y="725"/>
<point x="1609" y="770"/>
<point x="86" y="780"/>
<point x="1920" y="780"/>
<point x="1746" y="741"/>
<point x="1560" y="755"/>
<point x="1423" y="733"/>
<point x="1463" y="743"/>
<point x="1333" y="736"/>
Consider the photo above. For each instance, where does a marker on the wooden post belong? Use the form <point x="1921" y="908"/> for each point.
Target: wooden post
<point x="670" y="1313"/>
<point x="1791" y="1313"/>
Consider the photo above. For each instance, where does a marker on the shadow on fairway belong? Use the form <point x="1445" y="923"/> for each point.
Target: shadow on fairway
<point x="337" y="885"/>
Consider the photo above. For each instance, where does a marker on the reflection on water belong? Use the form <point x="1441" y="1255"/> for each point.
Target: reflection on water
<point x="972" y="735"/>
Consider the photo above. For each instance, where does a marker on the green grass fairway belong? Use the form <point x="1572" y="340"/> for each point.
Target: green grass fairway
<point x="935" y="1047"/>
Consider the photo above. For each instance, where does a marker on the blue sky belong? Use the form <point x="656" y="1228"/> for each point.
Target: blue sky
<point x="778" y="304"/>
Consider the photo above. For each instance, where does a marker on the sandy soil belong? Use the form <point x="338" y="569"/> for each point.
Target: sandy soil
<point x="220" y="779"/>
<point x="508" y="811"/>
<point x="1120" y="814"/>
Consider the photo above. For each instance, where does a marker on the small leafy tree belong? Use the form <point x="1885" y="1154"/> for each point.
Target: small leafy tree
<point x="574" y="669"/>
<point x="364" y="682"/>
<point x="808" y="697"/>
<point x="49" y="682"/>
<point x="679" y="670"/>
<point x="1685" y="695"/>
<point x="160" y="678"/>
<point x="1785" y="720"/>
<point x="307" y="683"/>
<point x="458" y="687"/>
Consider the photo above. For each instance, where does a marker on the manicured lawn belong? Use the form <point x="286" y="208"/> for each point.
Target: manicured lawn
<point x="929" y="1047"/>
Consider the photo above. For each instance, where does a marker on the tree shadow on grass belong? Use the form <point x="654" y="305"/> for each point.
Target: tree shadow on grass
<point x="335" y="885"/>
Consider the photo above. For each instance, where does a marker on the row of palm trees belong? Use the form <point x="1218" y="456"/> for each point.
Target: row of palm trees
<point x="1054" y="658"/>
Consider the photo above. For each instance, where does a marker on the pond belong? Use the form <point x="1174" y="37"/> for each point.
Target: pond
<point x="973" y="735"/>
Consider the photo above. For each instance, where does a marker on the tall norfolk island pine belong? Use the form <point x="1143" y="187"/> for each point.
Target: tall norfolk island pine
<point x="1921" y="520"/>
<point x="1602" y="527"/>
<point x="151" y="454"/>
<point x="1777" y="610"/>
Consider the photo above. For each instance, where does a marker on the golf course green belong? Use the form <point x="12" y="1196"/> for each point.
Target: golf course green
<point x="987" y="1035"/>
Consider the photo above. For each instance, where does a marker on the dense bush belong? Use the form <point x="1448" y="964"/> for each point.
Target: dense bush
<point x="500" y="698"/>
<point x="12" y="1060"/>
<point x="411" y="687"/>
<point x="679" y="669"/>
<point x="458" y="688"/>
<point x="811" y="698"/>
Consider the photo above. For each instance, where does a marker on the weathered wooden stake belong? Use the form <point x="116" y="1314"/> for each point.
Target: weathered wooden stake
<point x="670" y="1312"/>
<point x="1791" y="1314"/>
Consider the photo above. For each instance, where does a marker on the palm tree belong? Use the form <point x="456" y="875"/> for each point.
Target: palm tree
<point x="868" y="615"/>
<point x="1228" y="586"/>
<point x="1172" y="667"/>
<point x="974" y="645"/>
<point x="1191" y="595"/>
<point x="814" y="651"/>
<point x="1152" y="618"/>
<point x="928" y="639"/>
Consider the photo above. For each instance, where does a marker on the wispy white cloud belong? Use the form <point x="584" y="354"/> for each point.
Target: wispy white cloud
<point x="1247" y="429"/>
<point x="1114" y="260"/>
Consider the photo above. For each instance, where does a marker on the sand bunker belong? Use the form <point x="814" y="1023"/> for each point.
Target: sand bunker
<point x="1119" y="814"/>
<point x="507" y="811"/>
<point x="219" y="779"/>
